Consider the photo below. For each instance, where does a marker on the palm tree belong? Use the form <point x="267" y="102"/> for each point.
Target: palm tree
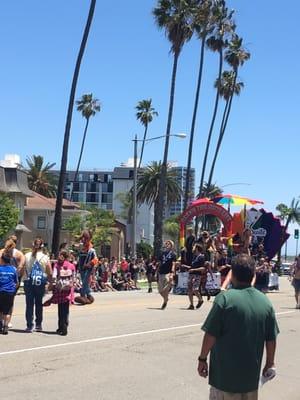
<point x="293" y="213"/>
<point x="176" y="18"/>
<point x="145" y="114"/>
<point x="217" y="42"/>
<point x="148" y="191"/>
<point x="235" y="56"/>
<point x="227" y="87"/>
<point x="211" y="190"/>
<point x="208" y="222"/>
<point x="203" y="25"/>
<point x="40" y="179"/>
<point x="88" y="106"/>
<point x="64" y="157"/>
<point x="289" y="215"/>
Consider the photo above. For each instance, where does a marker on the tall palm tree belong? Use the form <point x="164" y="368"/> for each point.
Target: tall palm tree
<point x="40" y="179"/>
<point x="227" y="87"/>
<point x="148" y="190"/>
<point x="88" y="106"/>
<point x="203" y="25"/>
<point x="217" y="42"/>
<point x="64" y="157"/>
<point x="235" y="56"/>
<point x="145" y="114"/>
<point x="176" y="18"/>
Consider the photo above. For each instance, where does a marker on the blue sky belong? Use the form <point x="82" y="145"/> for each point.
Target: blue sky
<point x="127" y="59"/>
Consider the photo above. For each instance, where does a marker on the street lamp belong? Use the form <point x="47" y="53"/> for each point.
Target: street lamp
<point x="134" y="206"/>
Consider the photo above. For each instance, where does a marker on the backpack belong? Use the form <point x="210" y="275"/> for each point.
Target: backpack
<point x="37" y="275"/>
<point x="64" y="280"/>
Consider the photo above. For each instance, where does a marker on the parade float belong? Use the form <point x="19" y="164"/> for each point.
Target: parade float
<point x="265" y="227"/>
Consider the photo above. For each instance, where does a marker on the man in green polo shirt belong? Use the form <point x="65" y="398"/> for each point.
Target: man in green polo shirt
<point x="239" y="325"/>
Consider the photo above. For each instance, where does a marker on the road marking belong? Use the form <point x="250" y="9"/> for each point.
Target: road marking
<point x="107" y="338"/>
<point x="101" y="339"/>
<point x="285" y="312"/>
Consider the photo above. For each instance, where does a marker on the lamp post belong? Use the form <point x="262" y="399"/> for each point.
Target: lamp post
<point x="134" y="197"/>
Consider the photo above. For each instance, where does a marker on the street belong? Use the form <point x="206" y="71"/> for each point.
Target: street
<point x="124" y="347"/>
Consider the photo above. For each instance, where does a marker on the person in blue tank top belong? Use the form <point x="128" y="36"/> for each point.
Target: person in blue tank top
<point x="8" y="285"/>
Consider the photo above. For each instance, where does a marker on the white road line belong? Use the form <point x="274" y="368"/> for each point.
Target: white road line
<point x="285" y="312"/>
<point x="106" y="338"/>
<point x="101" y="339"/>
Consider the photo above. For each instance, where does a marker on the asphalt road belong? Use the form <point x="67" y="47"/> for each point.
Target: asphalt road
<point x="124" y="347"/>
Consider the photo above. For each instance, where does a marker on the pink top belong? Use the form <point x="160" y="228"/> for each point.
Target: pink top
<point x="64" y="295"/>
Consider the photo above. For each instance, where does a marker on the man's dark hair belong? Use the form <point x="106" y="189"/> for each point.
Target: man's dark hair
<point x="243" y="267"/>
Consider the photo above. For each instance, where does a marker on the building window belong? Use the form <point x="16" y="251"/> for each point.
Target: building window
<point x="41" y="222"/>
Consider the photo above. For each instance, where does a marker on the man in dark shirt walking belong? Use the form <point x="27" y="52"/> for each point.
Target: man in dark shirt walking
<point x="239" y="325"/>
<point x="166" y="272"/>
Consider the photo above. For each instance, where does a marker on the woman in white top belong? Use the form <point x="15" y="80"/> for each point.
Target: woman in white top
<point x="37" y="272"/>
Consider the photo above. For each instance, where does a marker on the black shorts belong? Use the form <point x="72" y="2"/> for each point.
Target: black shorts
<point x="6" y="302"/>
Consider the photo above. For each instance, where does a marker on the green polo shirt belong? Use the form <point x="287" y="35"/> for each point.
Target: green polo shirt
<point x="241" y="319"/>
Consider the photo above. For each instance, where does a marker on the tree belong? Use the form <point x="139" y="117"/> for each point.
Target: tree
<point x="40" y="179"/>
<point x="235" y="56"/>
<point x="9" y="215"/>
<point x="292" y="213"/>
<point x="148" y="192"/>
<point x="217" y="42"/>
<point x="144" y="250"/>
<point x="100" y="222"/>
<point x="88" y="106"/>
<point x="126" y="205"/>
<point x="176" y="18"/>
<point x="203" y="25"/>
<point x="289" y="215"/>
<point x="171" y="229"/>
<point x="75" y="225"/>
<point x="227" y="87"/>
<point x="209" y="222"/>
<point x="145" y="114"/>
<point x="64" y="158"/>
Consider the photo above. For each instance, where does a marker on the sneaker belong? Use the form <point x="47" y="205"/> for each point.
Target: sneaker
<point x="199" y="304"/>
<point x="191" y="307"/>
<point x="164" y="305"/>
<point x="5" y="330"/>
<point x="38" y="328"/>
<point x="28" y="330"/>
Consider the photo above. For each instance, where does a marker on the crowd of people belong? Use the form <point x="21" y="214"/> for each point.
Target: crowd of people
<point x="74" y="277"/>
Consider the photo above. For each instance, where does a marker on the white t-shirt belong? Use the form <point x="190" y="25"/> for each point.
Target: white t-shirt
<point x="42" y="258"/>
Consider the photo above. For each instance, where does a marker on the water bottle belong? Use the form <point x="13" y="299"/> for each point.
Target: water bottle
<point x="269" y="374"/>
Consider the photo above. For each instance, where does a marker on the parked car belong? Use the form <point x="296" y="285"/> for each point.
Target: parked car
<point x="286" y="268"/>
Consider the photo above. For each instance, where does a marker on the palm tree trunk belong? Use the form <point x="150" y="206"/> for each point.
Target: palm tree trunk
<point x="64" y="158"/>
<point x="80" y="156"/>
<point x="188" y="167"/>
<point x="143" y="145"/>
<point x="211" y="126"/>
<point x="222" y="129"/>
<point x="158" y="226"/>
<point x="218" y="143"/>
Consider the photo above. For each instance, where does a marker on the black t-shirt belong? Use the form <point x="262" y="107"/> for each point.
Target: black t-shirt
<point x="198" y="262"/>
<point x="166" y="261"/>
<point x="261" y="278"/>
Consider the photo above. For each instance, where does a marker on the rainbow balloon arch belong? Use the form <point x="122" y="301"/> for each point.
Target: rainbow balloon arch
<point x="263" y="224"/>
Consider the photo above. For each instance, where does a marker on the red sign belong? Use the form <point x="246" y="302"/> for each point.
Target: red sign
<point x="207" y="208"/>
